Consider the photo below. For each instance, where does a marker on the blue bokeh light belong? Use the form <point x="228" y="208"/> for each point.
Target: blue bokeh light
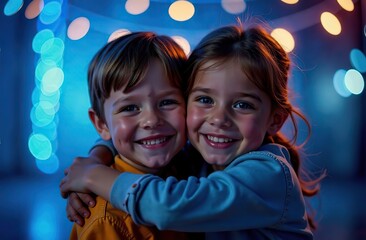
<point x="358" y="60"/>
<point x="12" y="7"/>
<point x="339" y="84"/>
<point x="40" y="38"/>
<point x="40" y="146"/>
<point x="50" y="13"/>
<point x="50" y="166"/>
<point x="52" y="50"/>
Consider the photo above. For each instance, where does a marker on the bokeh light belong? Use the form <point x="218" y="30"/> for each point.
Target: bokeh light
<point x="346" y="5"/>
<point x="52" y="81"/>
<point x="284" y="38"/>
<point x="339" y="83"/>
<point x="52" y="50"/>
<point x="358" y="60"/>
<point x="12" y="7"/>
<point x="290" y="1"/>
<point x="40" y="146"/>
<point x="118" y="33"/>
<point x="181" y="10"/>
<point x="40" y="38"/>
<point x="183" y="43"/>
<point x="78" y="28"/>
<point x="50" y="166"/>
<point x="330" y="23"/>
<point x="233" y="6"/>
<point x="33" y="9"/>
<point x="354" y="81"/>
<point x="50" y="13"/>
<point x="136" y="7"/>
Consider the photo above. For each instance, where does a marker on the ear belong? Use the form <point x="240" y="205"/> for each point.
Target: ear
<point x="99" y="125"/>
<point x="278" y="118"/>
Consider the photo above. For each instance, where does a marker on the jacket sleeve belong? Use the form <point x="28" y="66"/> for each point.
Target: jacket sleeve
<point x="108" y="144"/>
<point x="250" y="193"/>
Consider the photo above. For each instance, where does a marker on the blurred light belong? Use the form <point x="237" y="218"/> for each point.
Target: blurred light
<point x="43" y="222"/>
<point x="284" y="38"/>
<point x="43" y="66"/>
<point x="40" y="146"/>
<point x="136" y="7"/>
<point x="78" y="28"/>
<point x="40" y="38"/>
<point x="53" y="99"/>
<point x="346" y="5"/>
<point x="48" y="166"/>
<point x="183" y="43"/>
<point x="50" y="13"/>
<point x="12" y="7"/>
<point x="233" y="6"/>
<point x="181" y="10"/>
<point x="354" y="81"/>
<point x="331" y="23"/>
<point x="52" y="50"/>
<point x="49" y="131"/>
<point x="358" y="60"/>
<point x="42" y="114"/>
<point x="33" y="9"/>
<point x="117" y="34"/>
<point x="52" y="81"/>
<point x="290" y="1"/>
<point x="339" y="83"/>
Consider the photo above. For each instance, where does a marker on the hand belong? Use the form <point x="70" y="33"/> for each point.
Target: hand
<point x="76" y="176"/>
<point x="86" y="177"/>
<point x="77" y="207"/>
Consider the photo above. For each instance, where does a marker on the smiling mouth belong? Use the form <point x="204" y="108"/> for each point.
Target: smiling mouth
<point x="156" y="141"/>
<point x="219" y="139"/>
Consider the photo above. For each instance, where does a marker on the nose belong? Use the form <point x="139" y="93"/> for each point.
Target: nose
<point x="150" y="118"/>
<point x="219" y="117"/>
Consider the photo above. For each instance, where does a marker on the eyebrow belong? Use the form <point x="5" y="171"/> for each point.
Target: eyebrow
<point x="242" y="94"/>
<point x="131" y="98"/>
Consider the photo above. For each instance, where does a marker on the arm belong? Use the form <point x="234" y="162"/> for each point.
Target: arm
<point x="247" y="194"/>
<point x="78" y="203"/>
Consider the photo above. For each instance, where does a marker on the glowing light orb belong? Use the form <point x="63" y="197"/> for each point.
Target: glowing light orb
<point x="233" y="6"/>
<point x="136" y="7"/>
<point x="183" y="43"/>
<point x="181" y="10"/>
<point x="284" y="38"/>
<point x="34" y="9"/>
<point x="40" y="146"/>
<point x="330" y="23"/>
<point x="78" y="28"/>
<point x="354" y="81"/>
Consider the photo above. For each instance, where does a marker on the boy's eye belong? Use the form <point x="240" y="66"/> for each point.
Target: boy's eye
<point x="243" y="105"/>
<point x="167" y="102"/>
<point x="130" y="108"/>
<point x="204" y="100"/>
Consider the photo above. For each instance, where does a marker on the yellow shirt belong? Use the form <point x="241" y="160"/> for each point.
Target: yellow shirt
<point x="108" y="223"/>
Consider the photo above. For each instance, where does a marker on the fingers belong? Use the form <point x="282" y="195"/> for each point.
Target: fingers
<point x="73" y="216"/>
<point x="77" y="205"/>
<point x="63" y="192"/>
<point x="87" y="199"/>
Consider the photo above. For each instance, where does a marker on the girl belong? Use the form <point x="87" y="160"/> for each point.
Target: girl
<point x="237" y="104"/>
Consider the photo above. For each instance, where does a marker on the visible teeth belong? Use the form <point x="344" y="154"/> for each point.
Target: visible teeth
<point x="154" y="142"/>
<point x="219" y="140"/>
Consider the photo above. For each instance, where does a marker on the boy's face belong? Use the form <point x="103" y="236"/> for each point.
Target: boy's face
<point x="227" y="114"/>
<point x="147" y="123"/>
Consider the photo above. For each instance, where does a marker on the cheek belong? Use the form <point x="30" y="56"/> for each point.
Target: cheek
<point x="122" y="129"/>
<point x="195" y="118"/>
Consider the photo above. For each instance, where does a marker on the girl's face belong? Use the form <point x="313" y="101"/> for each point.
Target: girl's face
<point x="227" y="115"/>
<point x="147" y="123"/>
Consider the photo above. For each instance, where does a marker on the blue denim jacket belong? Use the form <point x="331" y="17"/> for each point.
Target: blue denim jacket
<point x="257" y="196"/>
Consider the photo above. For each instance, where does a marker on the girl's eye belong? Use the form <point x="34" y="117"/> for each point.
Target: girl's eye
<point x="243" y="105"/>
<point x="130" y="108"/>
<point x="204" y="100"/>
<point x="167" y="102"/>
